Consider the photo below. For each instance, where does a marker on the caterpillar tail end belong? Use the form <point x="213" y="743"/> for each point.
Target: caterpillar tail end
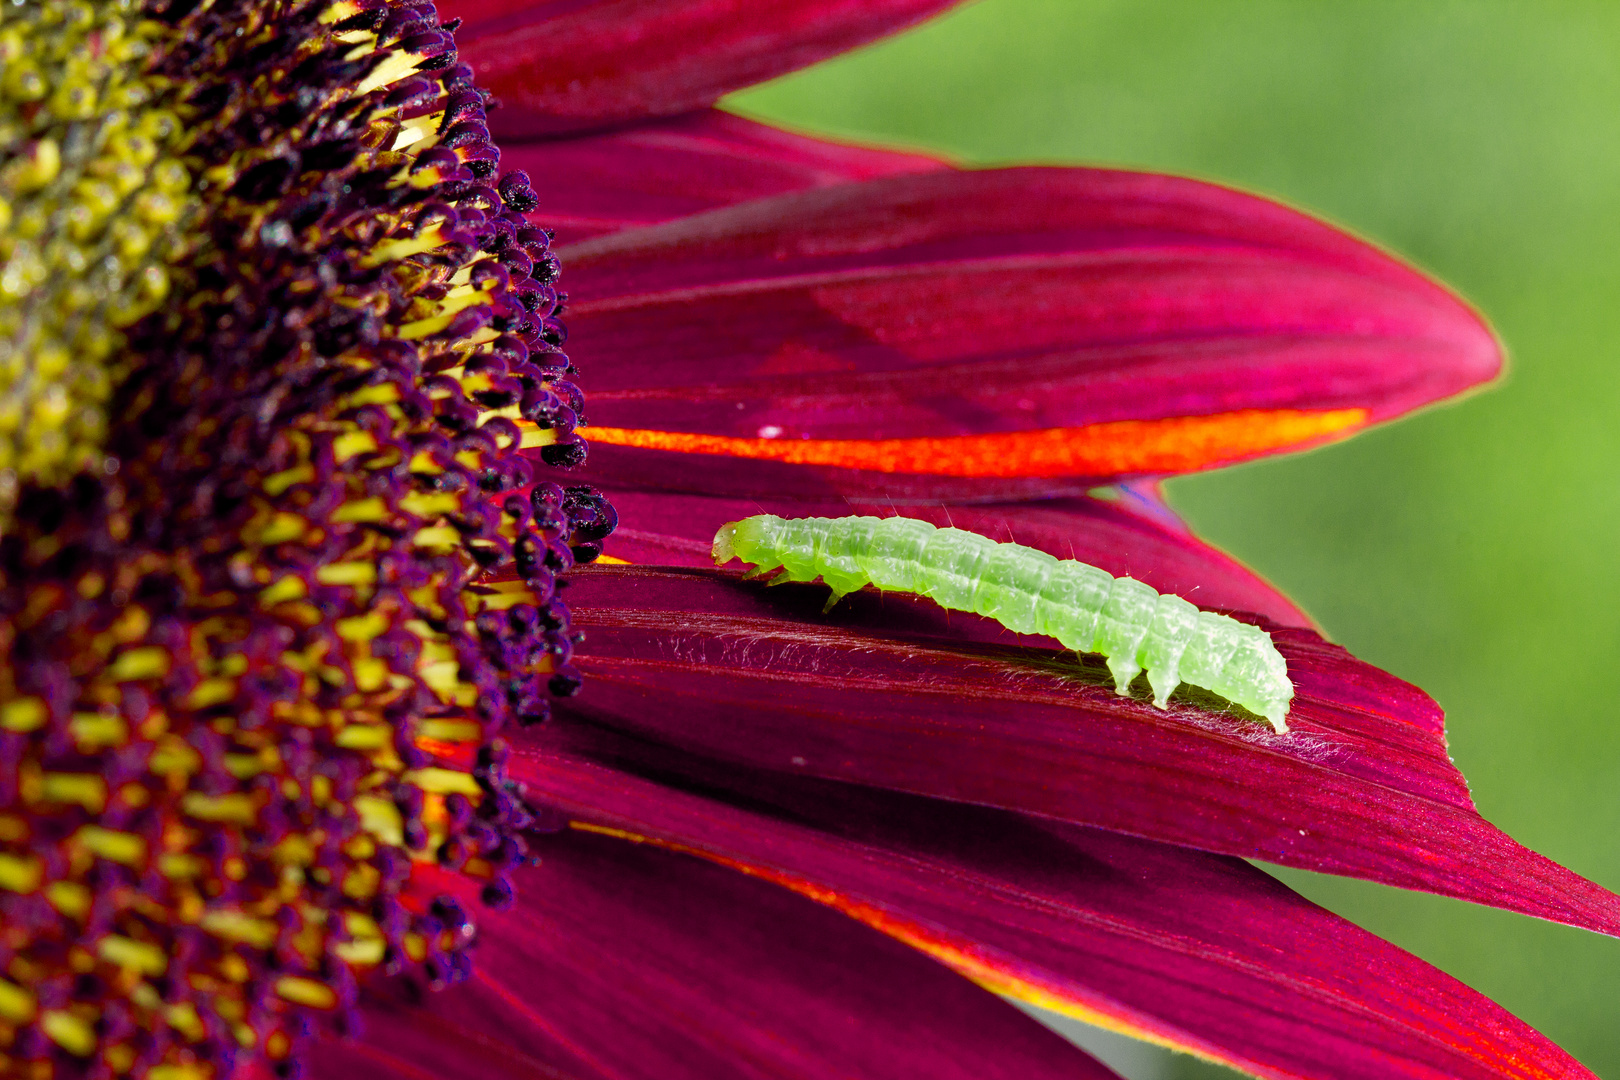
<point x="1277" y="716"/>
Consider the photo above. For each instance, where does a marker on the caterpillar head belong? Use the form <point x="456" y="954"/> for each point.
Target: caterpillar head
<point x="725" y="543"/>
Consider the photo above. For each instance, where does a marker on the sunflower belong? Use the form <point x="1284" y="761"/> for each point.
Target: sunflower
<point x="298" y="770"/>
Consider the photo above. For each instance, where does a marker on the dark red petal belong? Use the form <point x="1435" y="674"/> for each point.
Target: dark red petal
<point x="665" y="169"/>
<point x="624" y="961"/>
<point x="893" y="692"/>
<point x="1134" y="533"/>
<point x="1200" y="951"/>
<point x="570" y="65"/>
<point x="997" y="333"/>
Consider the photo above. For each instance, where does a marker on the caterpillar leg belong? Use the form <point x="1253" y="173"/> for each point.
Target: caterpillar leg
<point x="1124" y="668"/>
<point x="1164" y="684"/>
<point x="1121" y="628"/>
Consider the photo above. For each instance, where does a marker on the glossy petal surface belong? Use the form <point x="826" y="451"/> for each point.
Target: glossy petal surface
<point x="895" y="693"/>
<point x="571" y="65"/>
<point x="664" y="169"/>
<point x="1006" y="332"/>
<point x="1132" y="534"/>
<point x="1201" y="951"/>
<point x="624" y="962"/>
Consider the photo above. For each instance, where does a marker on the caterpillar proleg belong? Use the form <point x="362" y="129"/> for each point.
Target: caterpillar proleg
<point x="1029" y="592"/>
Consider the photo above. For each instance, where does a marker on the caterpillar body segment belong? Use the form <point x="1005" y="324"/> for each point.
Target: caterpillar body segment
<point x="1027" y="591"/>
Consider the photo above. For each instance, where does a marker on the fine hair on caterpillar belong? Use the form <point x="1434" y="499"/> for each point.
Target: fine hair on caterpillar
<point x="1029" y="592"/>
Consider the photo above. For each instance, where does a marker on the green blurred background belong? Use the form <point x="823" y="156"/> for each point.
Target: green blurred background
<point x="1470" y="549"/>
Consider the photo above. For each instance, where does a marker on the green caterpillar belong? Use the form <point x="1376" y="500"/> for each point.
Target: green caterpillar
<point x="1029" y="592"/>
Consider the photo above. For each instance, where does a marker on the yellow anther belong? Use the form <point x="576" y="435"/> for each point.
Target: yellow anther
<point x="372" y="509"/>
<point x="531" y="436"/>
<point x="19" y="874"/>
<point x="430" y="504"/>
<point x="421" y="328"/>
<point x="364" y="952"/>
<point x="350" y="443"/>
<point x="423" y="462"/>
<point x="184" y="1016"/>
<point x="450" y="730"/>
<point x="69" y="897"/>
<point x="25" y="82"/>
<point x="443" y="677"/>
<point x="436" y="781"/>
<point x="376" y="394"/>
<point x="156" y="208"/>
<point x="211" y="692"/>
<point x="347" y="573"/>
<point x="282" y="528"/>
<point x="276" y="483"/>
<point x="174" y="758"/>
<point x="72" y="1033"/>
<point x="23" y="714"/>
<point x="236" y="807"/>
<point x="187" y="1071"/>
<point x="364" y="736"/>
<point x="16" y="1004"/>
<point x="145" y="662"/>
<point x="306" y="992"/>
<point x="287" y="588"/>
<point x="380" y="817"/>
<point x="414" y="131"/>
<point x="360" y="628"/>
<point x="233" y="925"/>
<point x="92" y="731"/>
<point x="439" y="536"/>
<point x="36" y="167"/>
<point x="141" y="956"/>
<point x="118" y="847"/>
<point x="179" y="866"/>
<point x="394" y="250"/>
<point x="84" y="789"/>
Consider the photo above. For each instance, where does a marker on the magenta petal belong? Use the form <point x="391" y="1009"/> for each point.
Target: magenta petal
<point x="665" y="169"/>
<point x="956" y="304"/>
<point x="1134" y="534"/>
<point x="568" y="65"/>
<point x="1201" y="951"/>
<point x="624" y="961"/>
<point x="895" y="693"/>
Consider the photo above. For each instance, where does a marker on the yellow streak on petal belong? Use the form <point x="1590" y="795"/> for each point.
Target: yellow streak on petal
<point x="1115" y="448"/>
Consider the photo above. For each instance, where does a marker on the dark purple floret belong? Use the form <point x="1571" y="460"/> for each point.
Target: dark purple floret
<point x="255" y="666"/>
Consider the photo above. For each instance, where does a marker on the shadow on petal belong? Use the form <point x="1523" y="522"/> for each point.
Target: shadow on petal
<point x="892" y="692"/>
<point x="1198" y="951"/>
<point x="621" y="961"/>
